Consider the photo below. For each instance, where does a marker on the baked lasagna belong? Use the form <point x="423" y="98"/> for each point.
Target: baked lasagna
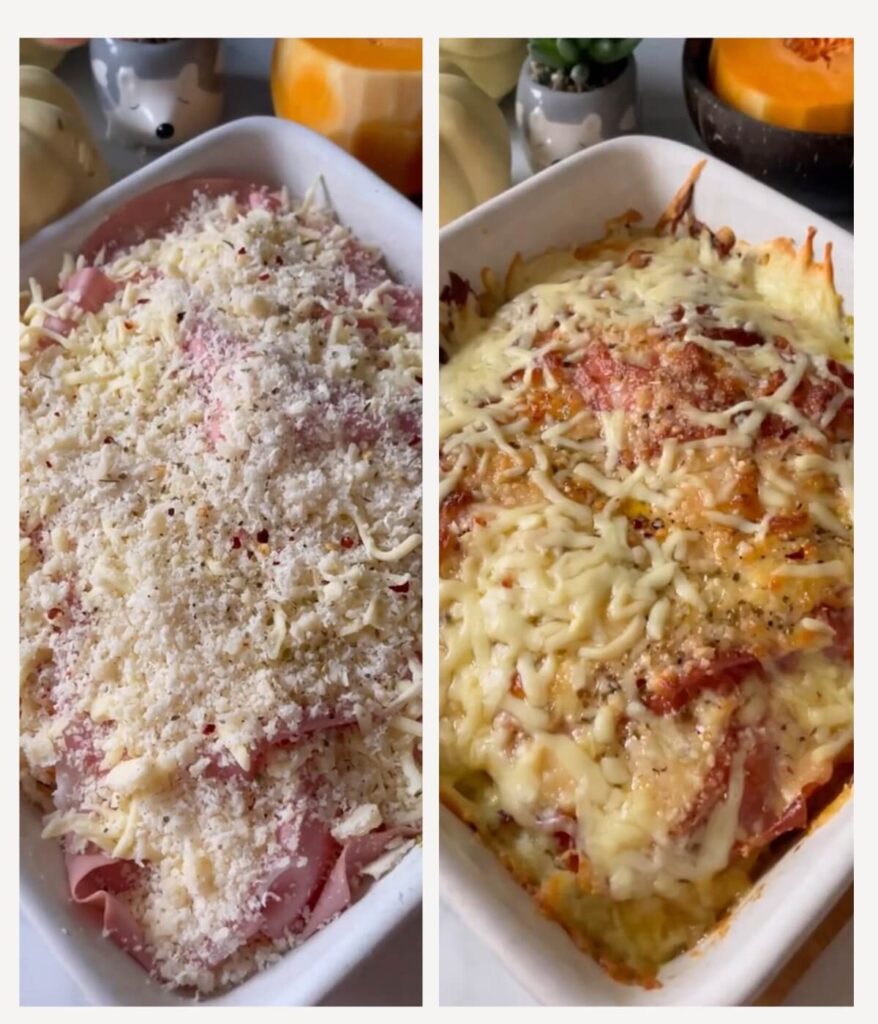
<point x="220" y="565"/>
<point x="646" y="572"/>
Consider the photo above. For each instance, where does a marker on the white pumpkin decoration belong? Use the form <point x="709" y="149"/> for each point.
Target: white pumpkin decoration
<point x="60" y="165"/>
<point x="32" y="51"/>
<point x="493" y="64"/>
<point x="474" y="147"/>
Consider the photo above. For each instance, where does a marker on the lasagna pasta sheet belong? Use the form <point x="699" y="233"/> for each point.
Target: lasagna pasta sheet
<point x="646" y="571"/>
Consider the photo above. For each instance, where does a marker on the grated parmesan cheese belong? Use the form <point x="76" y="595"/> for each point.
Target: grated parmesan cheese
<point x="218" y="467"/>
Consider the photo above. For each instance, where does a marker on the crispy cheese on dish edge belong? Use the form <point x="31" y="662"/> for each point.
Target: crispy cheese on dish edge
<point x="646" y="571"/>
<point x="220" y="556"/>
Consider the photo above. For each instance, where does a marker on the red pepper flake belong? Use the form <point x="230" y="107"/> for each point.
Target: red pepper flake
<point x="570" y="860"/>
<point x="262" y="536"/>
<point x="180" y="316"/>
<point x="236" y="542"/>
<point x="170" y="511"/>
<point x="348" y="542"/>
<point x="242" y="251"/>
<point x="48" y="464"/>
<point x="209" y="729"/>
<point x="563" y="840"/>
<point x="414" y="442"/>
<point x="506" y="582"/>
<point x="129" y="325"/>
<point x="279" y="260"/>
<point x="142" y="302"/>
<point x="515" y="687"/>
<point x="53" y="613"/>
<point x="264" y="277"/>
<point x="108" y="440"/>
<point x="401" y="588"/>
<point x="796" y="556"/>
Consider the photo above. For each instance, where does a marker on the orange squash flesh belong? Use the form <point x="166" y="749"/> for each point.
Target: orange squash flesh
<point x="363" y="94"/>
<point x="803" y="84"/>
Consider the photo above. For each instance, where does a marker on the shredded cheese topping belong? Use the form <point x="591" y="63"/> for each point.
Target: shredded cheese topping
<point x="220" y="507"/>
<point x="646" y="562"/>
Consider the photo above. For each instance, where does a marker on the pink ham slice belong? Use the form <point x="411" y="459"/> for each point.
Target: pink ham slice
<point x="96" y="880"/>
<point x="79" y="760"/>
<point x="153" y="212"/>
<point x="405" y="307"/>
<point x="346" y="879"/>
<point x="263" y="199"/>
<point x="222" y="766"/>
<point x="57" y="325"/>
<point x="294" y="890"/>
<point x="90" y="288"/>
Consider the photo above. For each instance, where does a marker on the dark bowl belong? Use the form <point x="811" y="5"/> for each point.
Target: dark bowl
<point x="792" y="161"/>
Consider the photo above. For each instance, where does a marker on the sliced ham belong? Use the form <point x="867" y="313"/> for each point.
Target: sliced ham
<point x="366" y="265"/>
<point x="405" y="307"/>
<point x="208" y="348"/>
<point x="453" y="520"/>
<point x="841" y="619"/>
<point x="96" y="880"/>
<point x="345" y="881"/>
<point x="90" y="288"/>
<point x="223" y="766"/>
<point x="674" y="690"/>
<point x="264" y="199"/>
<point x="739" y="336"/>
<point x="57" y="325"/>
<point x="294" y="890"/>
<point x="155" y="211"/>
<point x="79" y="759"/>
<point x="763" y="814"/>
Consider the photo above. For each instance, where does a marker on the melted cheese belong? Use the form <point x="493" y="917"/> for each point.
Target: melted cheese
<point x="626" y="543"/>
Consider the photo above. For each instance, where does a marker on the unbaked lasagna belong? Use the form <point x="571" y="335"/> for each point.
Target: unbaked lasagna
<point x="220" y="566"/>
<point x="646" y="572"/>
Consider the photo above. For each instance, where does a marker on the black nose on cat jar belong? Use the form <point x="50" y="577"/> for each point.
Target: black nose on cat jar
<point x="165" y="131"/>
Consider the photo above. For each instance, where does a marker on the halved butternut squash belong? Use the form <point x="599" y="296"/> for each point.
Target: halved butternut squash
<point x="364" y="94"/>
<point x="804" y="84"/>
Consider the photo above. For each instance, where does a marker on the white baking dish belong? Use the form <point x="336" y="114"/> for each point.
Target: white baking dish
<point x="278" y="152"/>
<point x="570" y="204"/>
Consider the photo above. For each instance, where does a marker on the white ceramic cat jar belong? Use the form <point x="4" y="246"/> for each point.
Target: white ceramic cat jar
<point x="157" y="92"/>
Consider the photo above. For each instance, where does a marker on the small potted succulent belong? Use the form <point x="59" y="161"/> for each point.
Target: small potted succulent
<point x="573" y="93"/>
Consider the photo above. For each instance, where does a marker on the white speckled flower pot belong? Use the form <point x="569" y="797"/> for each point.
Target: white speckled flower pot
<point x="556" y="124"/>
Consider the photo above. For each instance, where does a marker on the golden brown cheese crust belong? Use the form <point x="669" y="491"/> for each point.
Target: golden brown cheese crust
<point x="646" y="561"/>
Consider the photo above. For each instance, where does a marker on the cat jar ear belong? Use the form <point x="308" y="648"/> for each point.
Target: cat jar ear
<point x="187" y="80"/>
<point x="128" y="82"/>
<point x="100" y="71"/>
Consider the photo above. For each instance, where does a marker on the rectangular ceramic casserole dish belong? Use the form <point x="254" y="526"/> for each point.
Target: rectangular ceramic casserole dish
<point x="564" y="206"/>
<point x="276" y="152"/>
